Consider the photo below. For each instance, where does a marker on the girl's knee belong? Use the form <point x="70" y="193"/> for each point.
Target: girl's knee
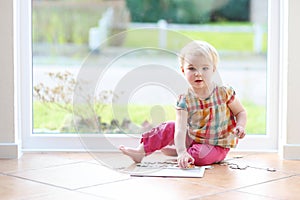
<point x="169" y="126"/>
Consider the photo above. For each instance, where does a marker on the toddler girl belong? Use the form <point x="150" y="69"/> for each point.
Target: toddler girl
<point x="209" y="118"/>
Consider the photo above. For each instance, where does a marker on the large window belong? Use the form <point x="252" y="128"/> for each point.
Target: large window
<point x="101" y="69"/>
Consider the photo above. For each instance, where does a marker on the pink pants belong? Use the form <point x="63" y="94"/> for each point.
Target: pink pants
<point x="163" y="135"/>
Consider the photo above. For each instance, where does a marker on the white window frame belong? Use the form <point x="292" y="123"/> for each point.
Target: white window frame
<point x="73" y="142"/>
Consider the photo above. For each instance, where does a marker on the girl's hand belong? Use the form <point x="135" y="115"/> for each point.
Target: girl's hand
<point x="239" y="131"/>
<point x="184" y="160"/>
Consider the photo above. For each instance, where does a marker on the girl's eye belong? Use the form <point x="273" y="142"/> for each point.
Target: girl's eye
<point x="205" y="68"/>
<point x="191" y="68"/>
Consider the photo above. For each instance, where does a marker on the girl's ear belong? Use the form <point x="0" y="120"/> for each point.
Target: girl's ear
<point x="214" y="68"/>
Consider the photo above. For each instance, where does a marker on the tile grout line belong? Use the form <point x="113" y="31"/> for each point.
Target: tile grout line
<point x="51" y="185"/>
<point x="236" y="189"/>
<point x="277" y="179"/>
<point x="47" y="167"/>
<point x="225" y="191"/>
<point x="35" y="181"/>
<point x="61" y="187"/>
<point x="99" y="184"/>
<point x="260" y="195"/>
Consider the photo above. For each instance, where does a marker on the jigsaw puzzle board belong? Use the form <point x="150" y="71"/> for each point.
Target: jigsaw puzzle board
<point x="166" y="169"/>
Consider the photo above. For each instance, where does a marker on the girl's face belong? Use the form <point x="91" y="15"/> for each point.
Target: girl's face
<point x="198" y="71"/>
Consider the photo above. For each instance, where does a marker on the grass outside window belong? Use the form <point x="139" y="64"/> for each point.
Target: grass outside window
<point x="48" y="117"/>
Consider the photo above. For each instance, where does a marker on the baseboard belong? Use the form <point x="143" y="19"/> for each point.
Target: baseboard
<point x="10" y="150"/>
<point x="291" y="151"/>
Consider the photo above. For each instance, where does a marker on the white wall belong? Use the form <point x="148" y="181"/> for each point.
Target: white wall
<point x="8" y="139"/>
<point x="291" y="81"/>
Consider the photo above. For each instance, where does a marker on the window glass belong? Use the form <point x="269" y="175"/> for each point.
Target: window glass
<point x="111" y="66"/>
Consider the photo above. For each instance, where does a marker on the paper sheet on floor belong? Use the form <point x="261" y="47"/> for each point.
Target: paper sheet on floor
<point x="167" y="170"/>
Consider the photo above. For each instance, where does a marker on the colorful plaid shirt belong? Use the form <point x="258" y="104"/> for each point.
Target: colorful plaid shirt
<point x="210" y="121"/>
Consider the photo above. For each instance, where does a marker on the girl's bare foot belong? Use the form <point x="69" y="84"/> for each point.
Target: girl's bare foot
<point x="136" y="154"/>
<point x="169" y="151"/>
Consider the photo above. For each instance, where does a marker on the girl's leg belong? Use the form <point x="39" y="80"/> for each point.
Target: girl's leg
<point x="205" y="154"/>
<point x="158" y="137"/>
<point x="136" y="154"/>
<point x="153" y="140"/>
<point x="169" y="150"/>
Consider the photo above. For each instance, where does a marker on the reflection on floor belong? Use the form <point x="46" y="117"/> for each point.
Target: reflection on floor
<point x="55" y="176"/>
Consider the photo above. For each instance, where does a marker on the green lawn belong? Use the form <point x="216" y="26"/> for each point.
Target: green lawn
<point x="223" y="41"/>
<point x="47" y="117"/>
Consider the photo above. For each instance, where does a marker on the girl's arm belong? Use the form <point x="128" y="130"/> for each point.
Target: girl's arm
<point x="241" y="117"/>
<point x="184" y="158"/>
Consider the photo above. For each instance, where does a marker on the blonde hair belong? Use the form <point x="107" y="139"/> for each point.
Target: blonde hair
<point x="199" y="48"/>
